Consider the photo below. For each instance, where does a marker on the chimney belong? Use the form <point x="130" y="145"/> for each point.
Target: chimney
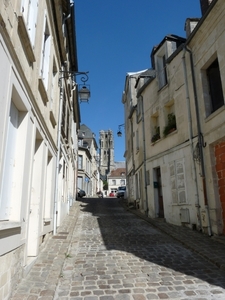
<point x="205" y="5"/>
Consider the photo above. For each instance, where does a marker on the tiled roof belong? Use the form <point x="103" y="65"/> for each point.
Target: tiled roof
<point x="117" y="173"/>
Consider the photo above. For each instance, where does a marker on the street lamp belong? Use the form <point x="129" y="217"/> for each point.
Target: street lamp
<point x="84" y="89"/>
<point x="119" y="132"/>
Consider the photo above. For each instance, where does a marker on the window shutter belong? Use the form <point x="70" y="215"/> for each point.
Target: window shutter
<point x="24" y="9"/>
<point x="46" y="59"/>
<point x="32" y="19"/>
<point x="180" y="181"/>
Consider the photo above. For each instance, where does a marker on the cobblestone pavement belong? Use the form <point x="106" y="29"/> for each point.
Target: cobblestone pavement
<point x="105" y="252"/>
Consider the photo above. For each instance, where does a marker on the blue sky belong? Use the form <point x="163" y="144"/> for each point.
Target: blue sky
<point x="115" y="37"/>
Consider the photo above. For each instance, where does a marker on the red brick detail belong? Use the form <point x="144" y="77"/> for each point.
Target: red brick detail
<point x="219" y="166"/>
<point x="219" y="151"/>
<point x="222" y="199"/>
<point x="221" y="182"/>
<point x="222" y="157"/>
<point x="220" y="174"/>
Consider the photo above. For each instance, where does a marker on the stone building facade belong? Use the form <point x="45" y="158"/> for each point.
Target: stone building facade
<point x="88" y="176"/>
<point x="39" y="119"/>
<point x="175" y="126"/>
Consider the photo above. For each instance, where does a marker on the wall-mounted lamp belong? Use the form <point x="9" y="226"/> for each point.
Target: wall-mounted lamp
<point x="84" y="89"/>
<point x="119" y="132"/>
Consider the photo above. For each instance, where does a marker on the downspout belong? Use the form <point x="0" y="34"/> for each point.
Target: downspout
<point x="190" y="132"/>
<point x="200" y="141"/>
<point x="58" y="155"/>
<point x="67" y="17"/>
<point x="144" y="150"/>
<point x="133" y="164"/>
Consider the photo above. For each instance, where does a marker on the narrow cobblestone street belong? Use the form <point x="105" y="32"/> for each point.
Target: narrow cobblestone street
<point x="105" y="252"/>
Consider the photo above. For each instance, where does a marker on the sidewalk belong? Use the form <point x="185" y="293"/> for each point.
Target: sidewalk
<point x="211" y="248"/>
<point x="42" y="280"/>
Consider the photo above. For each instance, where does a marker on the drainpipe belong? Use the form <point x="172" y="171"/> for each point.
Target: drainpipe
<point x="144" y="150"/>
<point x="200" y="141"/>
<point x="133" y="164"/>
<point x="58" y="155"/>
<point x="190" y="132"/>
<point x="67" y="17"/>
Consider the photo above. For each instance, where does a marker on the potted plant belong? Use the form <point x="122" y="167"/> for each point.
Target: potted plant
<point x="156" y="136"/>
<point x="171" y="125"/>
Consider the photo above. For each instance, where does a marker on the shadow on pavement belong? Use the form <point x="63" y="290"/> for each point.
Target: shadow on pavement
<point x="124" y="231"/>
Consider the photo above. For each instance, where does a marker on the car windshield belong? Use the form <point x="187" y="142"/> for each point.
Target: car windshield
<point x="122" y="188"/>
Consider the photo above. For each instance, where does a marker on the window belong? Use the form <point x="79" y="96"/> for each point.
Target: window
<point x="46" y="44"/>
<point x="155" y="129"/>
<point x="177" y="180"/>
<point x="65" y="124"/>
<point x="170" y="118"/>
<point x="137" y="140"/>
<point x="122" y="182"/>
<point x="215" y="86"/>
<point x="49" y="187"/>
<point x="13" y="162"/>
<point x="53" y="85"/>
<point x="80" y="182"/>
<point x="80" y="162"/>
<point x="113" y="182"/>
<point x="29" y="9"/>
<point x="148" y="177"/>
<point x="139" y="109"/>
<point x="161" y="71"/>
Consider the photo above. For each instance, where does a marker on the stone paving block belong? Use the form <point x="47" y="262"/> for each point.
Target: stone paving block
<point x="110" y="253"/>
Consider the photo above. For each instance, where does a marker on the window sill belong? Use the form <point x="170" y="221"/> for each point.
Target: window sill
<point x="181" y="204"/>
<point x="52" y="119"/>
<point x="215" y="113"/>
<point x="4" y="225"/>
<point x="47" y="221"/>
<point x="42" y="90"/>
<point x="162" y="87"/>
<point x="171" y="133"/>
<point x="153" y="143"/>
<point x="24" y="36"/>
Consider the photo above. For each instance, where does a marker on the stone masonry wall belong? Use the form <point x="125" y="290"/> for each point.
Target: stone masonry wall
<point x="11" y="271"/>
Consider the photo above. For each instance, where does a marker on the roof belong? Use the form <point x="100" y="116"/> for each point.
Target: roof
<point x="117" y="173"/>
<point x="169" y="37"/>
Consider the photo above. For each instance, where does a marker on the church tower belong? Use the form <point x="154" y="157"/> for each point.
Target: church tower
<point x="106" y="152"/>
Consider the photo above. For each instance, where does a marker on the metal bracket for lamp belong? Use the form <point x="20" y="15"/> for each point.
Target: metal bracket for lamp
<point x="119" y="132"/>
<point x="84" y="89"/>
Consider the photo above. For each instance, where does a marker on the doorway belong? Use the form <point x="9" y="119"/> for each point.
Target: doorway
<point x="158" y="193"/>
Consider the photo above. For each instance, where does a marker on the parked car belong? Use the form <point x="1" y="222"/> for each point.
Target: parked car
<point x="80" y="193"/>
<point x="120" y="192"/>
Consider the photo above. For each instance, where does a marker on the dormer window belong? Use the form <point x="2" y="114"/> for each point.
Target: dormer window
<point x="161" y="53"/>
<point x="139" y="109"/>
<point x="161" y="68"/>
